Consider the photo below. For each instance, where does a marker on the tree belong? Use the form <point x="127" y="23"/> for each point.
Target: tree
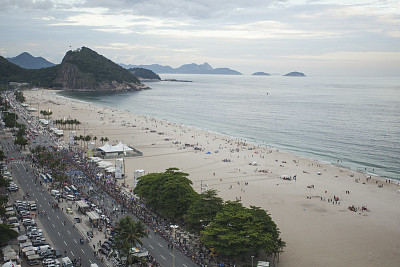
<point x="102" y="140"/>
<point x="237" y="230"/>
<point x="21" y="141"/>
<point x="6" y="234"/>
<point x="203" y="210"/>
<point x="169" y="192"/>
<point x="128" y="234"/>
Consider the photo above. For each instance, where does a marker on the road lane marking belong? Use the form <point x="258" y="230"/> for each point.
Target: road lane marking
<point x="72" y="254"/>
<point x="151" y="246"/>
<point x="184" y="264"/>
<point x="82" y="250"/>
<point x="90" y="261"/>
<point x="58" y="217"/>
<point x="162" y="257"/>
<point x="75" y="241"/>
<point x="65" y="243"/>
<point x="58" y="233"/>
<point x="150" y="236"/>
<point x="53" y="225"/>
<point x="171" y="254"/>
<point x="160" y="245"/>
<point x="48" y="218"/>
<point x="68" y="232"/>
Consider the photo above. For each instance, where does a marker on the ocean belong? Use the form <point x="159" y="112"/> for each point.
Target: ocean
<point x="350" y="122"/>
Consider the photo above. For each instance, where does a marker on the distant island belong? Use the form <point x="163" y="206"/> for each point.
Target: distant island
<point x="295" y="74"/>
<point x="260" y="73"/>
<point x="186" y="69"/>
<point x="27" y="61"/>
<point x="82" y="69"/>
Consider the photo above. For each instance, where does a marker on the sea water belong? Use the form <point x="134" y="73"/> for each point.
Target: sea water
<point x="350" y="122"/>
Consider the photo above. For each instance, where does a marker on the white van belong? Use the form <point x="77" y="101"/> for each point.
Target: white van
<point x="70" y="197"/>
<point x="55" y="193"/>
<point x="66" y="262"/>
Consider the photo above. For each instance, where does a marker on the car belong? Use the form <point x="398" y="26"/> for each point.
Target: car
<point x="12" y="188"/>
<point x="89" y="234"/>
<point x="34" y="262"/>
<point x="48" y="261"/>
<point x="45" y="254"/>
<point x="38" y="243"/>
<point x="69" y="210"/>
<point x="57" y="253"/>
<point x="103" y="251"/>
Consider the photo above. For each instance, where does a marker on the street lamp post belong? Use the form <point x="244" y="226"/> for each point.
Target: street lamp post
<point x="173" y="245"/>
<point x="252" y="261"/>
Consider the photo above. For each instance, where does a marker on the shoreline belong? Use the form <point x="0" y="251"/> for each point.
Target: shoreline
<point x="328" y="233"/>
<point x="298" y="154"/>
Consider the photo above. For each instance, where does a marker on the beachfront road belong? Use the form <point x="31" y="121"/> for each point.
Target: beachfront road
<point x="65" y="238"/>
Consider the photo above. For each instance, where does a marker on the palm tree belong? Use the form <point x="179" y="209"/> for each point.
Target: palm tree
<point x="95" y="138"/>
<point x="128" y="235"/>
<point x="106" y="139"/>
<point x="102" y="140"/>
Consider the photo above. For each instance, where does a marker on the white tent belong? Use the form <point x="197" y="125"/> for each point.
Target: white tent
<point x="122" y="147"/>
<point x="119" y="148"/>
<point x="107" y="148"/>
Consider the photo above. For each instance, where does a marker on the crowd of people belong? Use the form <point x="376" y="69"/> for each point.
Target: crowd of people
<point x="93" y="182"/>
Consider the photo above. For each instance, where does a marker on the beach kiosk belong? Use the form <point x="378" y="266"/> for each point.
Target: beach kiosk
<point x="93" y="218"/>
<point x="83" y="207"/>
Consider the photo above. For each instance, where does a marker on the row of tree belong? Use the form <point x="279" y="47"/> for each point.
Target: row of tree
<point x="51" y="160"/>
<point x="5" y="232"/>
<point x="231" y="229"/>
<point x="10" y="120"/>
<point x="68" y="122"/>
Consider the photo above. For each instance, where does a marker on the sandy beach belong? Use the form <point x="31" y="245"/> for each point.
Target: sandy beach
<point x="318" y="230"/>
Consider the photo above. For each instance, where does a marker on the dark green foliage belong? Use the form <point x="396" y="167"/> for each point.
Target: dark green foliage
<point x="203" y="210"/>
<point x="2" y="156"/>
<point x="19" y="96"/>
<point x="10" y="119"/>
<point x="128" y="234"/>
<point x="237" y="230"/>
<point x="3" y="183"/>
<point x="21" y="141"/>
<point x="10" y="72"/>
<point x="144" y="73"/>
<point x="100" y="68"/>
<point x="6" y="234"/>
<point x="169" y="192"/>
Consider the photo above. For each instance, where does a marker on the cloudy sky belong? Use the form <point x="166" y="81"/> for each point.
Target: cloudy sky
<point x="317" y="37"/>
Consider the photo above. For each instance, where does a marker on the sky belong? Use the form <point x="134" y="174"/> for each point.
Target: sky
<point x="316" y="37"/>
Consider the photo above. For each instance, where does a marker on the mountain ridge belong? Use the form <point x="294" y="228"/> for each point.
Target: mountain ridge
<point x="191" y="68"/>
<point x="82" y="69"/>
<point x="27" y="61"/>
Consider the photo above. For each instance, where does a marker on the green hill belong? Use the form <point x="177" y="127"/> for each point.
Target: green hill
<point x="145" y="74"/>
<point x="82" y="69"/>
<point x="10" y="72"/>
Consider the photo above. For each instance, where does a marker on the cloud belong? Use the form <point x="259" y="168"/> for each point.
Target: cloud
<point x="370" y="56"/>
<point x="27" y="4"/>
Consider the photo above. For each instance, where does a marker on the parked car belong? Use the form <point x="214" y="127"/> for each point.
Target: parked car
<point x="89" y="234"/>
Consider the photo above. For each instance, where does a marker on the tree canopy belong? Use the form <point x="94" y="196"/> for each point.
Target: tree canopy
<point x="237" y="230"/>
<point x="169" y="192"/>
<point x="203" y="210"/>
<point x="128" y="234"/>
